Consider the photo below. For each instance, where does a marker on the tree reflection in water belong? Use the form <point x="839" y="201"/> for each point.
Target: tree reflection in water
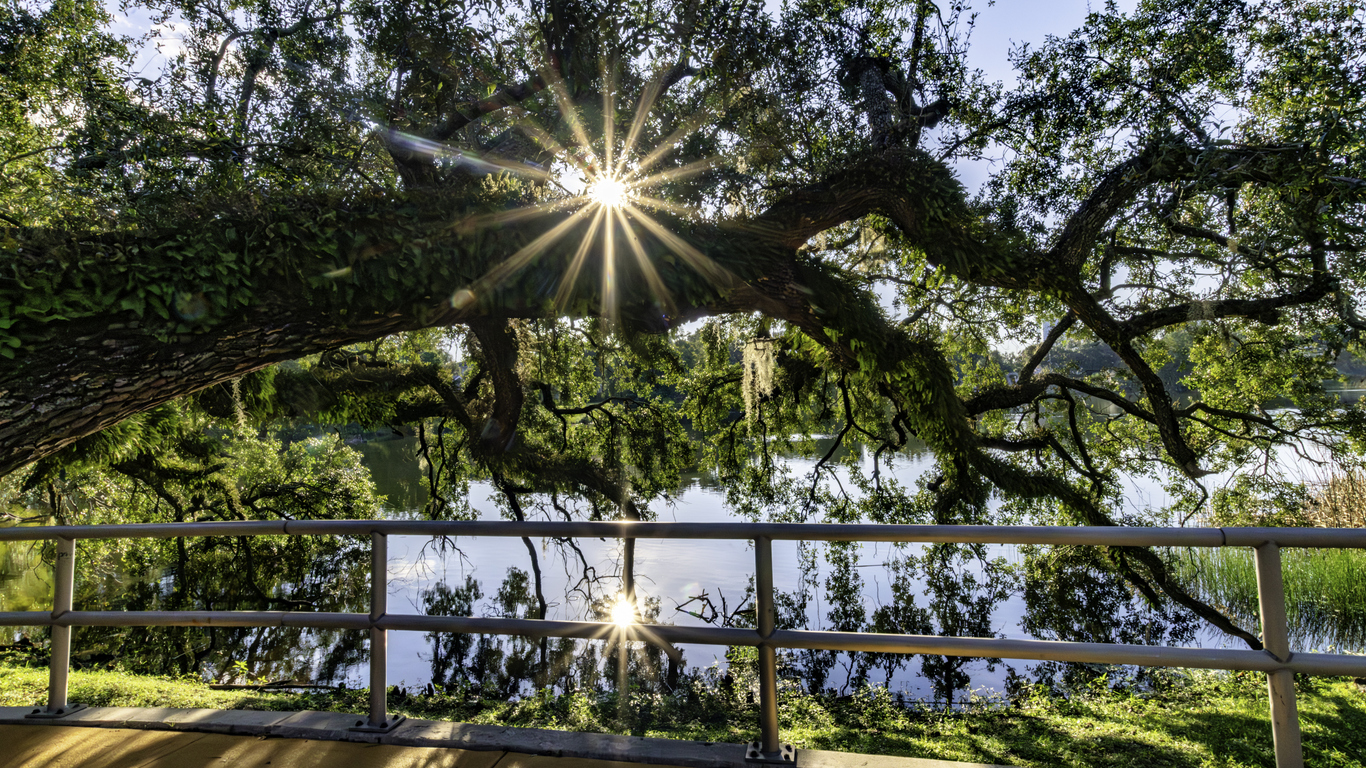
<point x="1072" y="594"/>
<point x="1067" y="593"/>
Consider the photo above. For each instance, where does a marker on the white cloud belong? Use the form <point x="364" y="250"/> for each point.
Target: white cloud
<point x="169" y="40"/>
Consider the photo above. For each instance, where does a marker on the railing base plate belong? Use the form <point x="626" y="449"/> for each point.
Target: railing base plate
<point x="364" y="726"/>
<point x="39" y="713"/>
<point x="786" y="754"/>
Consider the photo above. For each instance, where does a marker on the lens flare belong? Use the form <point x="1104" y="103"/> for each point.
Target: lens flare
<point x="609" y="192"/>
<point x="608" y="186"/>
<point x="623" y="612"/>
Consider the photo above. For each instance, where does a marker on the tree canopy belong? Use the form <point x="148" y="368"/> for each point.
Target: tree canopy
<point x="661" y="233"/>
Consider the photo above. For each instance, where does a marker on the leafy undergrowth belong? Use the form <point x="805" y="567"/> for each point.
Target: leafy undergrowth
<point x="1207" y="719"/>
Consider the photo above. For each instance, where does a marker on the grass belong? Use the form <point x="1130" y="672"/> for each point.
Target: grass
<point x="1325" y="591"/>
<point x="1200" y="719"/>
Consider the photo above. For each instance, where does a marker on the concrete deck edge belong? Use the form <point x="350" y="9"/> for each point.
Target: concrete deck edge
<point x="332" y="726"/>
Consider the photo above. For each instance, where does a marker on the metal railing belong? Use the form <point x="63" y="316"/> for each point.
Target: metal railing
<point x="1277" y="660"/>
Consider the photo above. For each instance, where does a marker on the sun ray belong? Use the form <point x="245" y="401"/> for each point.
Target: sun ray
<point x="566" y="104"/>
<point x="480" y="162"/>
<point x="703" y="264"/>
<point x="477" y="221"/>
<point x="613" y="197"/>
<point x="647" y="102"/>
<point x="644" y="633"/>
<point x="519" y="260"/>
<point x="689" y="126"/>
<point x="548" y="142"/>
<point x="571" y="277"/>
<point x="663" y="205"/>
<point x="681" y="172"/>
<point x="609" y="269"/>
<point x="647" y="267"/>
<point x="609" y="114"/>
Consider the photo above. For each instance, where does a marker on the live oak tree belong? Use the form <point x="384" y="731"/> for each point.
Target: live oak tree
<point x="307" y="179"/>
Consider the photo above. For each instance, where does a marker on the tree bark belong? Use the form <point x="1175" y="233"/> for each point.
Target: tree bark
<point x="103" y="371"/>
<point x="75" y="377"/>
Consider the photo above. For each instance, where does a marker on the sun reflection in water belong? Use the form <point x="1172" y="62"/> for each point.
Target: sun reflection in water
<point x="623" y="611"/>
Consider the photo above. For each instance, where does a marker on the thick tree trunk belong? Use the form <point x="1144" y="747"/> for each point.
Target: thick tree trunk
<point x="400" y="265"/>
<point x="75" y="377"/>
<point x="99" y="375"/>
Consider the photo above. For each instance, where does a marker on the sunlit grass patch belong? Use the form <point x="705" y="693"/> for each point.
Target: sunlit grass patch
<point x="1205" y="719"/>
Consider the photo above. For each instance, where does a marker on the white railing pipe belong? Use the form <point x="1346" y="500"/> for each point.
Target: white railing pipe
<point x="1285" y="721"/>
<point x="1277" y="660"/>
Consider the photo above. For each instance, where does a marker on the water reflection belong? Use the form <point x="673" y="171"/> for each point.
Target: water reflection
<point x="1071" y="595"/>
<point x="991" y="591"/>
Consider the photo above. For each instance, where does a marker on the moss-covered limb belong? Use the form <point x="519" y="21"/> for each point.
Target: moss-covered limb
<point x="134" y="331"/>
<point x="928" y="205"/>
<point x="1195" y="720"/>
<point x="109" y="325"/>
<point x="1198" y="168"/>
<point x="1003" y="396"/>
<point x="1058" y="271"/>
<point x="76" y="388"/>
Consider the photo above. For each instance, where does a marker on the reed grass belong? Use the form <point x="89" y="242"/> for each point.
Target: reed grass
<point x="1325" y="591"/>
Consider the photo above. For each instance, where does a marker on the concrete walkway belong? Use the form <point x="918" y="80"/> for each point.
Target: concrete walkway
<point x="129" y="737"/>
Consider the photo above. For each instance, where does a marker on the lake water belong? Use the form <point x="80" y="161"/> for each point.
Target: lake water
<point x="671" y="571"/>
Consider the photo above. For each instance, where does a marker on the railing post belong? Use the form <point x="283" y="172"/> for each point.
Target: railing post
<point x="63" y="589"/>
<point x="379" y="639"/>
<point x="379" y="721"/>
<point x="628" y="594"/>
<point x="64" y="585"/>
<point x="1285" y="722"/>
<point x="768" y="748"/>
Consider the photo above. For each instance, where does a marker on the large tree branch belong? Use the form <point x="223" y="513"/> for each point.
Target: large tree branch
<point x="211" y="88"/>
<point x="1264" y="310"/>
<point x="1203" y="167"/>
<point x="1111" y="331"/>
<point x="498" y="342"/>
<point x="1040" y="352"/>
<point x="501" y="99"/>
<point x="1005" y="397"/>
<point x="110" y="364"/>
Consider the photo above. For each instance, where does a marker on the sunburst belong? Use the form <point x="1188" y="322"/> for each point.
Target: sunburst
<point x="609" y="192"/>
<point x="624" y="611"/>
<point x="613" y="198"/>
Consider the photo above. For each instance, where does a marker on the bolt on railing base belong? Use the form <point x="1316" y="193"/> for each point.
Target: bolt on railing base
<point x="365" y="726"/>
<point x="786" y="754"/>
<point x="40" y="713"/>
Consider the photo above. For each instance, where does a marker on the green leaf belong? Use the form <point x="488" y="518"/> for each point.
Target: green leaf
<point x="134" y="303"/>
